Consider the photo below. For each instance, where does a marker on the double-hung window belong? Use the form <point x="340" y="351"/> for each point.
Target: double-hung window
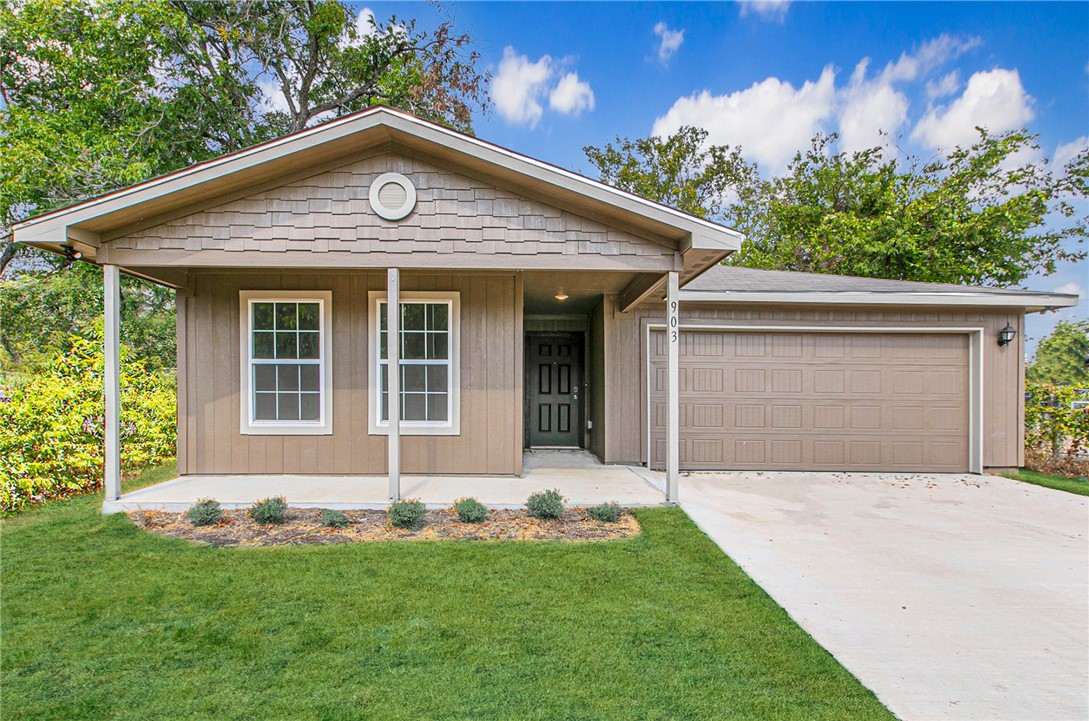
<point x="429" y="363"/>
<point x="286" y="373"/>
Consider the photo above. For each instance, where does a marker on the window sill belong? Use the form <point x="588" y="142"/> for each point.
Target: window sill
<point x="413" y="430"/>
<point x="287" y="430"/>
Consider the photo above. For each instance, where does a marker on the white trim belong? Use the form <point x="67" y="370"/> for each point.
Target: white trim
<point x="393" y="346"/>
<point x="324" y="425"/>
<point x="111" y="379"/>
<point x="450" y="427"/>
<point x="975" y="362"/>
<point x="1028" y="299"/>
<point x="705" y="234"/>
<point x="673" y="391"/>
<point x="392" y="213"/>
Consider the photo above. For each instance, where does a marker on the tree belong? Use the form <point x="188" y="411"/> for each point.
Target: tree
<point x="101" y="95"/>
<point x="1062" y="358"/>
<point x="973" y="217"/>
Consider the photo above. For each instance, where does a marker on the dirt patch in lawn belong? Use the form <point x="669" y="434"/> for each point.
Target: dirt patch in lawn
<point x="303" y="527"/>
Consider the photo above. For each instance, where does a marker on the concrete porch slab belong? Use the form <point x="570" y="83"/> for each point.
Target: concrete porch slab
<point x="581" y="486"/>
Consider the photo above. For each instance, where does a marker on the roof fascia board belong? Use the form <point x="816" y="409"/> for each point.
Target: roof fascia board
<point x="1027" y="300"/>
<point x="47" y="226"/>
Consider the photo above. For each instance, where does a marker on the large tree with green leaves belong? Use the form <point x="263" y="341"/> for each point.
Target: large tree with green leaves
<point x="101" y="95"/>
<point x="1062" y="358"/>
<point x="975" y="216"/>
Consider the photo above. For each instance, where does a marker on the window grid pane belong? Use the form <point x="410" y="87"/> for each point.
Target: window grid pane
<point x="286" y="361"/>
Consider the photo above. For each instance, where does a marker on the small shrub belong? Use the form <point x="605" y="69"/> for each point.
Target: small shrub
<point x="205" y="512"/>
<point x="269" y="510"/>
<point x="334" y="519"/>
<point x="545" y="504"/>
<point x="605" y="512"/>
<point x="407" y="514"/>
<point x="470" y="510"/>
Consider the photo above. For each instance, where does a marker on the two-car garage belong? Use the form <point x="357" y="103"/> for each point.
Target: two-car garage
<point x="858" y="400"/>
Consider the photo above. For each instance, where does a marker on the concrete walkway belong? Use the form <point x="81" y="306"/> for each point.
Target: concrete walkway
<point x="581" y="483"/>
<point x="952" y="597"/>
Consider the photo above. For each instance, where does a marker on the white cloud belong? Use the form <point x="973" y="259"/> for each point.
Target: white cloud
<point x="1068" y="151"/>
<point x="1072" y="288"/>
<point x="871" y="111"/>
<point x="929" y="56"/>
<point x="519" y="85"/>
<point x="571" y="96"/>
<point x="767" y="9"/>
<point x="770" y="120"/>
<point x="944" y="87"/>
<point x="670" y="41"/>
<point x="993" y="99"/>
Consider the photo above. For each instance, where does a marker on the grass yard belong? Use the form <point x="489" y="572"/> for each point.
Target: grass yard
<point x="102" y="621"/>
<point x="1051" y="480"/>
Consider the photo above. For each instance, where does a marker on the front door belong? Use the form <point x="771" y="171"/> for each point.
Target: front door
<point x="553" y="376"/>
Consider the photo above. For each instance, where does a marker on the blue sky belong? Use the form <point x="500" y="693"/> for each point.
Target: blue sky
<point x="767" y="75"/>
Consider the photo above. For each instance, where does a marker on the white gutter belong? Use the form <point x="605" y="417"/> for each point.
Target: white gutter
<point x="1027" y="299"/>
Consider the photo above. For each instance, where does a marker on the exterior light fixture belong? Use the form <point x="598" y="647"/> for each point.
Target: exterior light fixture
<point x="561" y="296"/>
<point x="72" y="254"/>
<point x="1006" y="335"/>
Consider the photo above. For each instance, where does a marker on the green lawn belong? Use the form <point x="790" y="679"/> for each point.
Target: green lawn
<point x="101" y="621"/>
<point x="1050" y="480"/>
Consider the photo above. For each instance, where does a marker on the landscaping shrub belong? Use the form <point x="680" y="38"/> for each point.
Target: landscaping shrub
<point x="1056" y="435"/>
<point x="545" y="504"/>
<point x="407" y="514"/>
<point x="605" y="512"/>
<point x="205" y="512"/>
<point x="470" y="510"/>
<point x="51" y="424"/>
<point x="269" y="511"/>
<point x="334" y="519"/>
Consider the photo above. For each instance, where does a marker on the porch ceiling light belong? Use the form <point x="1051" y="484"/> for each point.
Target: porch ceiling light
<point x="1006" y="335"/>
<point x="561" y="296"/>
<point x="72" y="254"/>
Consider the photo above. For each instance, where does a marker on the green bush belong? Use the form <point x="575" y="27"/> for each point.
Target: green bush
<point x="605" y="512"/>
<point x="51" y="424"/>
<point x="407" y="514"/>
<point x="334" y="519"/>
<point x="470" y="510"/>
<point x="1056" y="434"/>
<point x="545" y="504"/>
<point x="205" y="512"/>
<point x="269" y="510"/>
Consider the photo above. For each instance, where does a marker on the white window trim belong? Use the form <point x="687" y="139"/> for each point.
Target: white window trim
<point x="324" y="425"/>
<point x="451" y="427"/>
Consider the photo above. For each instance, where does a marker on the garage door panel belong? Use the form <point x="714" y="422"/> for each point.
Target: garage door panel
<point x="822" y="401"/>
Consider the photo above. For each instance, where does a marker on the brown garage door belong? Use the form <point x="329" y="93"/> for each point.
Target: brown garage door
<point x="816" y="401"/>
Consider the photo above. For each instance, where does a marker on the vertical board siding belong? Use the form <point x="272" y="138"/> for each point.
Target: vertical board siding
<point x="209" y="391"/>
<point x="1003" y="402"/>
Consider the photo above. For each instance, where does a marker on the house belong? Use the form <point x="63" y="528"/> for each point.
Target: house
<point x="539" y="308"/>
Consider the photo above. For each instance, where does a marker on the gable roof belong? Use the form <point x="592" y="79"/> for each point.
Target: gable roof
<point x="86" y="221"/>
<point x="725" y="283"/>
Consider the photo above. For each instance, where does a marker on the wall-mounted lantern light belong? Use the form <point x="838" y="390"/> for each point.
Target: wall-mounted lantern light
<point x="72" y="254"/>
<point x="1006" y="335"/>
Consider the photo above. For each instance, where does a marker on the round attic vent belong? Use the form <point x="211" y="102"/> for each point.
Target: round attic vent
<point x="392" y="196"/>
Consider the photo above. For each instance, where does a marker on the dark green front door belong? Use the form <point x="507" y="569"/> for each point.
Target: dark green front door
<point x="554" y="373"/>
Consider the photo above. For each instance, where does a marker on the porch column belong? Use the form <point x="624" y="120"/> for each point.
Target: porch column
<point x="111" y="479"/>
<point x="393" y="348"/>
<point x="673" y="376"/>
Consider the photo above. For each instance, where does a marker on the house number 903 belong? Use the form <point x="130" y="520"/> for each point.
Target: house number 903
<point x="673" y="321"/>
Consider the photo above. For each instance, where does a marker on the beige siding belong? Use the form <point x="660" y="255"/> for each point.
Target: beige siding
<point x="455" y="216"/>
<point x="1003" y="409"/>
<point x="209" y="381"/>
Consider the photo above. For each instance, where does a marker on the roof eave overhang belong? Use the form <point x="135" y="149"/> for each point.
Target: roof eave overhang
<point x="357" y="132"/>
<point x="1030" y="302"/>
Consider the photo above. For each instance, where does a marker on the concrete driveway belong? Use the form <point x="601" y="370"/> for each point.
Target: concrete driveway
<point x="952" y="597"/>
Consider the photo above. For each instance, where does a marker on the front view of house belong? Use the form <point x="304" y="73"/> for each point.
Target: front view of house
<point x="538" y="308"/>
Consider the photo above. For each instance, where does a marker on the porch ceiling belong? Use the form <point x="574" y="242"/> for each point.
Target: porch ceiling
<point x="583" y="290"/>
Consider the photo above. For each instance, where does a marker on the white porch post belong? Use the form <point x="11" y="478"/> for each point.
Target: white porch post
<point x="111" y="480"/>
<point x="393" y="348"/>
<point x="673" y="396"/>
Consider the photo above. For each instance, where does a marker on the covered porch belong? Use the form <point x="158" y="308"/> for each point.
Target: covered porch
<point x="578" y="477"/>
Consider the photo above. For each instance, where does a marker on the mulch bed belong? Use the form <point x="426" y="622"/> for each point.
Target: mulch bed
<point x="303" y="527"/>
